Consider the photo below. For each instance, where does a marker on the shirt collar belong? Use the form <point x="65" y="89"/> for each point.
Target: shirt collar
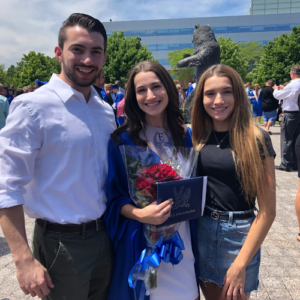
<point x="66" y="92"/>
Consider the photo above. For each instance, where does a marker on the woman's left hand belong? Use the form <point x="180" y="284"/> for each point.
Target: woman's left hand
<point x="233" y="283"/>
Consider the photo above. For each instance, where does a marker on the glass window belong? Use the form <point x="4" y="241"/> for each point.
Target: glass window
<point x="140" y="33"/>
<point x="128" y="33"/>
<point x="186" y="31"/>
<point x="295" y="9"/>
<point x="296" y="4"/>
<point x="283" y="27"/>
<point x="233" y="29"/>
<point x="258" y="28"/>
<point x="271" y="11"/>
<point x="163" y="62"/>
<point x="258" y="6"/>
<point x="109" y="33"/>
<point x="245" y="28"/>
<point x="173" y="31"/>
<point x="161" y="32"/>
<point x="292" y="25"/>
<point x="151" y="47"/>
<point x="270" y="27"/>
<point x="150" y="32"/>
<point x="258" y="12"/>
<point x="265" y="42"/>
<point x="220" y="29"/>
<point x="258" y="1"/>
<point x="271" y="1"/>
<point x="269" y="6"/>
<point x="285" y="1"/>
<point x="284" y="5"/>
<point x="162" y="47"/>
<point x="183" y="46"/>
<point x="284" y="10"/>
<point x="174" y="47"/>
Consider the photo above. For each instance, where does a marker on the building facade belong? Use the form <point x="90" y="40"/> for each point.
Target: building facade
<point x="267" y="7"/>
<point x="163" y="36"/>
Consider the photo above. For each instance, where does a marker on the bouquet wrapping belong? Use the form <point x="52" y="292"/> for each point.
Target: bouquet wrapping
<point x="145" y="168"/>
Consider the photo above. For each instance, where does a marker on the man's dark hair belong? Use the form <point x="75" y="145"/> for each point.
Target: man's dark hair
<point x="85" y="21"/>
<point x="18" y="92"/>
<point x="271" y="81"/>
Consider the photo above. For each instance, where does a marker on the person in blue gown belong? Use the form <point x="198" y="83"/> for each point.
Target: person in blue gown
<point x="256" y="101"/>
<point x="153" y="119"/>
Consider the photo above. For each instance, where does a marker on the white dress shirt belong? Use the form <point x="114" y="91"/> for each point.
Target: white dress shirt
<point x="289" y="95"/>
<point x="53" y="154"/>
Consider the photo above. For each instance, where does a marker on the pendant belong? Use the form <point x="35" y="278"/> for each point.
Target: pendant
<point x="218" y="146"/>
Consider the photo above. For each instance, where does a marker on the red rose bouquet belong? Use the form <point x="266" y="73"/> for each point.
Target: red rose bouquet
<point x="145" y="169"/>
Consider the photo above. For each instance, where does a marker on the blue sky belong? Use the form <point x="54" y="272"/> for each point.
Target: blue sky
<point x="34" y="24"/>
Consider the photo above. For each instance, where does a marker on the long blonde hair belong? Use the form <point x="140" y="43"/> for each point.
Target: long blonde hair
<point x="244" y="135"/>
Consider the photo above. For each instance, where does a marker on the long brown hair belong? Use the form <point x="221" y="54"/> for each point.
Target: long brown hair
<point x="135" y="120"/>
<point x="245" y="137"/>
<point x="256" y="89"/>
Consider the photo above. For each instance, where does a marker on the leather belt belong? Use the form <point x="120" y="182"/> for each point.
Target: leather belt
<point x="72" y="228"/>
<point x="218" y="216"/>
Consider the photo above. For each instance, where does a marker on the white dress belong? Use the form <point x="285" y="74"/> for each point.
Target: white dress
<point x="173" y="282"/>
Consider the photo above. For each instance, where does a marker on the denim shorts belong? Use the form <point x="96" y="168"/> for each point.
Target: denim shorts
<point x="270" y="115"/>
<point x="219" y="242"/>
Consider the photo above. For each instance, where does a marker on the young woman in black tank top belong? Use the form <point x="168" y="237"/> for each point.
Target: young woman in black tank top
<point x="238" y="158"/>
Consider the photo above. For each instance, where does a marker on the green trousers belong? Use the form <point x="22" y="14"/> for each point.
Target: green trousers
<point x="79" y="264"/>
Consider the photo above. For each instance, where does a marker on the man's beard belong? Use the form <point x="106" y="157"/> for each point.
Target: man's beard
<point x="70" y="73"/>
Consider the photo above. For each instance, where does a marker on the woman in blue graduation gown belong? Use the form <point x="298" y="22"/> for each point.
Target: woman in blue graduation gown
<point x="154" y="120"/>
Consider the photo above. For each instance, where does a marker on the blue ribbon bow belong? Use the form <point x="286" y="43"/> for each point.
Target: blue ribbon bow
<point x="166" y="250"/>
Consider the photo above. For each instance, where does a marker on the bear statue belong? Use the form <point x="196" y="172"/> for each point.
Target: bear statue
<point x="206" y="54"/>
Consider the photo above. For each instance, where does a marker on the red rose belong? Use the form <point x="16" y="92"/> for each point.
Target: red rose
<point x="143" y="183"/>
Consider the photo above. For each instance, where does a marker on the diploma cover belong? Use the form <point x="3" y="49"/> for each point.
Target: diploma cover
<point x="189" y="196"/>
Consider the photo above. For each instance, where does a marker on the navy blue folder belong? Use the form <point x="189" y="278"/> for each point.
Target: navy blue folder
<point x="189" y="197"/>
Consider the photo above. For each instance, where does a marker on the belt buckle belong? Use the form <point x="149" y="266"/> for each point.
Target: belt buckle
<point x="214" y="215"/>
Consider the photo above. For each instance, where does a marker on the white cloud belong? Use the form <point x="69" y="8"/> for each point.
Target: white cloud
<point x="34" y="24"/>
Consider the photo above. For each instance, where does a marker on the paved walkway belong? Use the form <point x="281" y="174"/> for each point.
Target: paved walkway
<point x="280" y="265"/>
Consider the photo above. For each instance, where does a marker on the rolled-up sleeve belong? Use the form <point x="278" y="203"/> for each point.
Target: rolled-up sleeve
<point x="19" y="145"/>
<point x="284" y="93"/>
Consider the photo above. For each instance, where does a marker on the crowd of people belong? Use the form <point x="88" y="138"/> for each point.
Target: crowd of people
<point x="62" y="162"/>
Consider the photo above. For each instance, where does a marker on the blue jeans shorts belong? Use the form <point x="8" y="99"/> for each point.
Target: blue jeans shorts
<point x="219" y="242"/>
<point x="270" y="115"/>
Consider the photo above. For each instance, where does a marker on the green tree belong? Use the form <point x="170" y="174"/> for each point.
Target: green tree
<point x="252" y="53"/>
<point x="279" y="56"/>
<point x="182" y="74"/>
<point x="122" y="55"/>
<point x="35" y="66"/>
<point x="231" y="55"/>
<point x="2" y="74"/>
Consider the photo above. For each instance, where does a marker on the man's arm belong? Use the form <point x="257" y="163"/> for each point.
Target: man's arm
<point x="281" y="94"/>
<point x="20" y="144"/>
<point x="33" y="278"/>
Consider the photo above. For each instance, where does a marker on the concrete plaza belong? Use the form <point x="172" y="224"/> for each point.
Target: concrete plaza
<point x="280" y="264"/>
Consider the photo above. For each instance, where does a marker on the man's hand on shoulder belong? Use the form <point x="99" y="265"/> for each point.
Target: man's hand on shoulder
<point x="33" y="278"/>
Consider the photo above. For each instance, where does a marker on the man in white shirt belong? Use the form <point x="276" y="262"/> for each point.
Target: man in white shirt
<point x="53" y="162"/>
<point x="290" y="125"/>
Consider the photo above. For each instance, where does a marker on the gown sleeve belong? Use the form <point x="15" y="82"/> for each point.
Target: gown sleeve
<point x="126" y="234"/>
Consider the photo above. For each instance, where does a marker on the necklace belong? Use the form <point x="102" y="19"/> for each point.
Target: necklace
<point x="219" y="144"/>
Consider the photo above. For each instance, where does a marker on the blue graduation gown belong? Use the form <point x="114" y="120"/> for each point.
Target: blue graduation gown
<point x="120" y="229"/>
<point x="190" y="88"/>
<point x="103" y="94"/>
